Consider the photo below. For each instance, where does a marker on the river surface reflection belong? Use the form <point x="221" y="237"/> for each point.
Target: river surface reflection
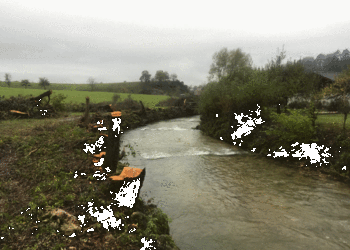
<point x="220" y="197"/>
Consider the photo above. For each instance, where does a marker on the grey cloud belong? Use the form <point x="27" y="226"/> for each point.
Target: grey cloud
<point x="72" y="49"/>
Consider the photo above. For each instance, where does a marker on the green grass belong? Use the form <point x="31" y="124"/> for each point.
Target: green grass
<point x="74" y="96"/>
<point x="332" y="120"/>
<point x="123" y="87"/>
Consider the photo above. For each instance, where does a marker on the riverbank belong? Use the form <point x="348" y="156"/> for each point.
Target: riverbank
<point x="39" y="161"/>
<point x="329" y="135"/>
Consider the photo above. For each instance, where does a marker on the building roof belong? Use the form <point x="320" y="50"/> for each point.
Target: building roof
<point x="329" y="75"/>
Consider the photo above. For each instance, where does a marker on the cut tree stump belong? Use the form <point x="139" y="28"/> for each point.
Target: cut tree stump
<point x="126" y="187"/>
<point x="112" y="152"/>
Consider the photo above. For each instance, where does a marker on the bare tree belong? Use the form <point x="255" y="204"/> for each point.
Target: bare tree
<point x="44" y="82"/>
<point x="8" y="79"/>
<point x="173" y="77"/>
<point x="91" y="81"/>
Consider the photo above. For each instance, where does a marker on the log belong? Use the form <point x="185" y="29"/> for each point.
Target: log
<point x="39" y="97"/>
<point x="19" y="113"/>
<point x="113" y="139"/>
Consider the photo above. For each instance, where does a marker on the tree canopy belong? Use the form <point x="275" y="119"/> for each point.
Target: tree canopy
<point x="227" y="62"/>
<point x="161" y="76"/>
<point x="25" y="83"/>
<point x="341" y="89"/>
<point x="145" y="76"/>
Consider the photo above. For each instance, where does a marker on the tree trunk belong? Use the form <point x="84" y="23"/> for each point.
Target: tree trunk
<point x="143" y="111"/>
<point x="87" y="116"/>
<point x="278" y="109"/>
<point x="112" y="153"/>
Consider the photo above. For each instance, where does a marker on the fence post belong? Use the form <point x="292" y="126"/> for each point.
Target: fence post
<point x="143" y="111"/>
<point x="87" y="116"/>
<point x="112" y="150"/>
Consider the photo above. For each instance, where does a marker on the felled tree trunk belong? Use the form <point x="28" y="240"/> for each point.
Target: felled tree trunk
<point x="112" y="152"/>
<point x="39" y="97"/>
<point x="19" y="114"/>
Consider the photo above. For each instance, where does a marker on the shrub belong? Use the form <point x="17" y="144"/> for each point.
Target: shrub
<point x="128" y="104"/>
<point x="57" y="102"/>
<point x="292" y="128"/>
<point x="115" y="98"/>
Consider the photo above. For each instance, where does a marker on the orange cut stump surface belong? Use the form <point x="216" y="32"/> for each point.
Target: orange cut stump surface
<point x="116" y="114"/>
<point x="127" y="172"/>
<point x="99" y="155"/>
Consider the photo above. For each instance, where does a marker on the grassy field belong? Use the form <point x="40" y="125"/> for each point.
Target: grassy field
<point x="335" y="120"/>
<point x="123" y="87"/>
<point x="74" y="96"/>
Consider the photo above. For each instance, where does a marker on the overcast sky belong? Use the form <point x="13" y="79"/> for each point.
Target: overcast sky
<point x="70" y="41"/>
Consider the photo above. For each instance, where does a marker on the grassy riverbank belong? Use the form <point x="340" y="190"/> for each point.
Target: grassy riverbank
<point x="281" y="132"/>
<point x="39" y="159"/>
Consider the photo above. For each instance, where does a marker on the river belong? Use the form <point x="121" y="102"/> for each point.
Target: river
<point x="221" y="197"/>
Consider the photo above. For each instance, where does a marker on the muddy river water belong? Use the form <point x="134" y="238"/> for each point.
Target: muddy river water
<point x="221" y="197"/>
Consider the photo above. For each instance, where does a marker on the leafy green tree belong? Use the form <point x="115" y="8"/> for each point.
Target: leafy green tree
<point x="44" y="82"/>
<point x="221" y="101"/>
<point x="289" y="80"/>
<point x="145" y="77"/>
<point x="341" y="89"/>
<point x="91" y="81"/>
<point x="161" y="76"/>
<point x="25" y="83"/>
<point x="227" y="62"/>
<point x="8" y="79"/>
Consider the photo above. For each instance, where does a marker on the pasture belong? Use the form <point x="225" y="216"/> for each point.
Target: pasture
<point x="74" y="96"/>
<point x="332" y="120"/>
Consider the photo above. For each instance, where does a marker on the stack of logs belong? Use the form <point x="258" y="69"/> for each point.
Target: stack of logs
<point x="111" y="155"/>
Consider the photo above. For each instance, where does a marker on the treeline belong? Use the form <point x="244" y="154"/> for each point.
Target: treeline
<point x="334" y="62"/>
<point x="162" y="83"/>
<point x="236" y="87"/>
